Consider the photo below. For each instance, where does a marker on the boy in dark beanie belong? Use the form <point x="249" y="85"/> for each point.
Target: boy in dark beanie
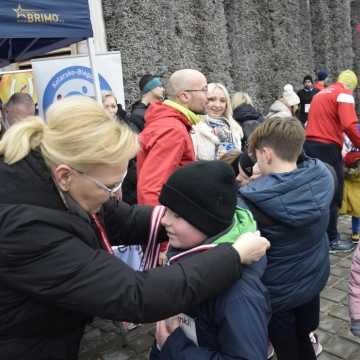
<point x="201" y="213"/>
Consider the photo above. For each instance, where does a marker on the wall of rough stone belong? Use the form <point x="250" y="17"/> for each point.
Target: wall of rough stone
<point x="252" y="45"/>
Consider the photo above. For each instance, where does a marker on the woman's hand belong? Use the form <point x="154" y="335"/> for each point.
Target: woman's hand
<point x="256" y="172"/>
<point x="251" y="247"/>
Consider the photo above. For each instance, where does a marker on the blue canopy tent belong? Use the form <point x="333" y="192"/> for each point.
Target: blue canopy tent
<point x="30" y="28"/>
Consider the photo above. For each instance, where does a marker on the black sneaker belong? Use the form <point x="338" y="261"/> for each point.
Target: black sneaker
<point x="355" y="237"/>
<point x="341" y="246"/>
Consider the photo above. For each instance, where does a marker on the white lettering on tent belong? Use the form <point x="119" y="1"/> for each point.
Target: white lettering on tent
<point x="35" y="16"/>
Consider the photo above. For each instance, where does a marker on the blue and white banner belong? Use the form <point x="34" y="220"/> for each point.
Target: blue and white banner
<point x="68" y="76"/>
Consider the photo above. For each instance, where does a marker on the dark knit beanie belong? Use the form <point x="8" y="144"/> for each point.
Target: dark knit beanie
<point x="322" y="75"/>
<point x="308" y="77"/>
<point x="204" y="194"/>
<point x="149" y="82"/>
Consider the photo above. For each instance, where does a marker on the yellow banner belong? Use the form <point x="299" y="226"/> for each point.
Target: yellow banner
<point x="16" y="81"/>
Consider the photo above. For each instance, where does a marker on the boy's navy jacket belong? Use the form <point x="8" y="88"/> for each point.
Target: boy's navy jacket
<point x="298" y="259"/>
<point x="231" y="326"/>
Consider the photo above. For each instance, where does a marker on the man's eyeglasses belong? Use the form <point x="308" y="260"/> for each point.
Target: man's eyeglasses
<point x="194" y="90"/>
<point x="110" y="190"/>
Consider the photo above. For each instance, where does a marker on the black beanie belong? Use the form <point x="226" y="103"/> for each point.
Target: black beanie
<point x="204" y="194"/>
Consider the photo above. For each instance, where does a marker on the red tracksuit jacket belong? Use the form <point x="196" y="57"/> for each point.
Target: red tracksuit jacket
<point x="332" y="113"/>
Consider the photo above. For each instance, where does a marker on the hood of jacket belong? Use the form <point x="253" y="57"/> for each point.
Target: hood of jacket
<point x="159" y="111"/>
<point x="295" y="198"/>
<point x="280" y="109"/>
<point x="243" y="222"/>
<point x="246" y="112"/>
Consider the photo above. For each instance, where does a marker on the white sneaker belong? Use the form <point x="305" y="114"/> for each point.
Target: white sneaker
<point x="315" y="343"/>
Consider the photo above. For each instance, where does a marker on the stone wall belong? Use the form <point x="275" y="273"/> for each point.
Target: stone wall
<point x="252" y="45"/>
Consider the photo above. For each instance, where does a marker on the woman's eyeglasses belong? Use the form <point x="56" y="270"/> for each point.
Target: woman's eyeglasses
<point x="110" y="190"/>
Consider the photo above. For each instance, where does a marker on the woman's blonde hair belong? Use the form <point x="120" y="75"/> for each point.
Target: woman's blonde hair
<point x="78" y="133"/>
<point x="228" y="115"/>
<point x="240" y="98"/>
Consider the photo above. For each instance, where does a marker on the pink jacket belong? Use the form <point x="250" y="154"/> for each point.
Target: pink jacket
<point x="354" y="286"/>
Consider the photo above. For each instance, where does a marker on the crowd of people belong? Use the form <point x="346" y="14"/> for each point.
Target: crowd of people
<point x="235" y="213"/>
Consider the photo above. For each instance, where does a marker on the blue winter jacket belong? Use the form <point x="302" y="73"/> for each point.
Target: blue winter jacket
<point x="298" y="202"/>
<point x="232" y="326"/>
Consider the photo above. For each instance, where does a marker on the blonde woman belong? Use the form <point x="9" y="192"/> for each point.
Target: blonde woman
<point x="226" y="132"/>
<point x="58" y="219"/>
<point x="113" y="109"/>
<point x="110" y="103"/>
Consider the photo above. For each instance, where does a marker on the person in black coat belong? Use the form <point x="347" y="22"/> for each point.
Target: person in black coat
<point x="306" y="94"/>
<point x="151" y="90"/>
<point x="59" y="217"/>
<point x="246" y="115"/>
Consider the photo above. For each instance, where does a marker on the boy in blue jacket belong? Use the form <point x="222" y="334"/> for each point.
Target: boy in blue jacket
<point x="201" y="213"/>
<point x="294" y="199"/>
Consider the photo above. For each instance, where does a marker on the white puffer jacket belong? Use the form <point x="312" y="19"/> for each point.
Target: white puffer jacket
<point x="279" y="109"/>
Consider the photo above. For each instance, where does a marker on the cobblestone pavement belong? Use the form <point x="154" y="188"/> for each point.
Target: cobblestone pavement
<point x="105" y="341"/>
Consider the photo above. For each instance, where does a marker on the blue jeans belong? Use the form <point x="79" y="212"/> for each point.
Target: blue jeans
<point x="355" y="224"/>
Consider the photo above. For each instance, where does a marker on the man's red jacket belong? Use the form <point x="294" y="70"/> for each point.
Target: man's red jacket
<point x="332" y="113"/>
<point x="165" y="145"/>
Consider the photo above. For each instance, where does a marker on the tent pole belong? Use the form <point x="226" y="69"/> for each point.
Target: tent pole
<point x="91" y="47"/>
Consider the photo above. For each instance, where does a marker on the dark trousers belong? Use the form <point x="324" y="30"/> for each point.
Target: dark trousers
<point x="289" y="331"/>
<point x="330" y="154"/>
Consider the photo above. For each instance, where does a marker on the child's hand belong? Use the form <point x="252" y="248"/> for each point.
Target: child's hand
<point x="251" y="247"/>
<point x="162" y="258"/>
<point x="164" y="328"/>
<point x="256" y="172"/>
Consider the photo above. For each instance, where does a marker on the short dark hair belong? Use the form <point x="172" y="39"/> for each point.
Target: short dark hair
<point x="285" y="136"/>
<point x="19" y="98"/>
<point x="308" y="77"/>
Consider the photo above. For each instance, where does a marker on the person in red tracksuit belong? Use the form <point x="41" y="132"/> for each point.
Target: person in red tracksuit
<point x="165" y="141"/>
<point x="332" y="114"/>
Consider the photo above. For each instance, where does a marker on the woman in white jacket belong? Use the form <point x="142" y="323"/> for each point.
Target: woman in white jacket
<point x="218" y="132"/>
<point x="286" y="106"/>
